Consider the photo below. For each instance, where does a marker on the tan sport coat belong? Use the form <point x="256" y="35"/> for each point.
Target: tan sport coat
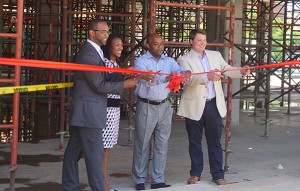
<point x="193" y="98"/>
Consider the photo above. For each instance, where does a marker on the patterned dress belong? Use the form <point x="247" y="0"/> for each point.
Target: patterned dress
<point x="110" y="133"/>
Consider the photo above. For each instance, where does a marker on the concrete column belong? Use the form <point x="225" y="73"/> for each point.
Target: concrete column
<point x="212" y="27"/>
<point x="237" y="61"/>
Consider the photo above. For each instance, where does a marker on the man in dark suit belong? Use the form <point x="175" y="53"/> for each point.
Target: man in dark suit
<point x="88" y="112"/>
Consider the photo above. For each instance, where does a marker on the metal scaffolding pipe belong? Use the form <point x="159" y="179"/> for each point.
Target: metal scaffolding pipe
<point x="1" y="26"/>
<point x="9" y="35"/>
<point x="110" y="14"/>
<point x="267" y="91"/>
<point x="188" y="44"/>
<point x="159" y="3"/>
<point x="229" y="88"/>
<point x="131" y="91"/>
<point x="62" y="98"/>
<point x="16" y="97"/>
<point x="9" y="80"/>
<point x="152" y="18"/>
<point x="145" y="23"/>
<point x="6" y="126"/>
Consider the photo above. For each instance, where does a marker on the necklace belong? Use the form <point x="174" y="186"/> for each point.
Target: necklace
<point x="115" y="64"/>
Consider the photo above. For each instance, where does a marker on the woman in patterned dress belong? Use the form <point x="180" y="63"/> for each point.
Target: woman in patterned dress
<point x="112" y="52"/>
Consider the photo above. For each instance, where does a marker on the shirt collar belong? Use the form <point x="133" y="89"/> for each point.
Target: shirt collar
<point x="149" y="55"/>
<point x="199" y="55"/>
<point x="97" y="47"/>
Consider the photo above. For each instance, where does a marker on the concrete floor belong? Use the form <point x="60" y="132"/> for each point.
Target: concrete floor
<point x="256" y="164"/>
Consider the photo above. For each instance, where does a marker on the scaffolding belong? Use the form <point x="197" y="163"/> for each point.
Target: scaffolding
<point x="55" y="29"/>
<point x="270" y="35"/>
<point x="14" y="78"/>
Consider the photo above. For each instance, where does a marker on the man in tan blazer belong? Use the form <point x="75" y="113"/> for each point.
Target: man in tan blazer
<point x="203" y="105"/>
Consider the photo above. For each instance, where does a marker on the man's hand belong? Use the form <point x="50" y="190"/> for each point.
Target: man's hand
<point x="245" y="70"/>
<point x="186" y="76"/>
<point x="130" y="83"/>
<point x="148" y="77"/>
<point x="168" y="78"/>
<point x="128" y="74"/>
<point x="214" y="75"/>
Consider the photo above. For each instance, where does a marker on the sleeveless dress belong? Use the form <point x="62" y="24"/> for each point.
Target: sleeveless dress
<point x="110" y="133"/>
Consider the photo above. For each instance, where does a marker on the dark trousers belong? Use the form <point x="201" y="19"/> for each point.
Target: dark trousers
<point x="211" y="122"/>
<point x="89" y="142"/>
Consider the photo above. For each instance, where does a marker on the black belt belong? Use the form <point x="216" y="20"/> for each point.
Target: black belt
<point x="212" y="99"/>
<point x="153" y="102"/>
<point x="111" y="102"/>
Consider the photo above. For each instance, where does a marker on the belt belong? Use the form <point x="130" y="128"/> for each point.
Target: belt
<point x="212" y="99"/>
<point x="152" y="102"/>
<point x="111" y="102"/>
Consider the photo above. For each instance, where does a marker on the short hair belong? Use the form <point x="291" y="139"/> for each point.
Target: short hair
<point x="93" y="23"/>
<point x="194" y="32"/>
<point x="153" y="35"/>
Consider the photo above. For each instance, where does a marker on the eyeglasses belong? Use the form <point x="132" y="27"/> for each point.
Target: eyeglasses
<point x="103" y="31"/>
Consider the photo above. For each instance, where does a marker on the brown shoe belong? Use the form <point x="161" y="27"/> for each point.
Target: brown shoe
<point x="193" y="180"/>
<point x="219" y="181"/>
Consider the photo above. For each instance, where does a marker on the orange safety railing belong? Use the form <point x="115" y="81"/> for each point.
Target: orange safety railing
<point x="14" y="126"/>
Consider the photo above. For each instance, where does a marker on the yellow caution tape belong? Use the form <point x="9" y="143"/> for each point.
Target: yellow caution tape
<point x="33" y="88"/>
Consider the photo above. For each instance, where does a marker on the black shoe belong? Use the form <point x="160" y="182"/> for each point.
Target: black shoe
<point x="159" y="185"/>
<point x="140" y="186"/>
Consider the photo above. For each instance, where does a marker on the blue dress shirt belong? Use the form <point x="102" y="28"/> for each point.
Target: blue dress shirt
<point x="155" y="91"/>
<point x="211" y="93"/>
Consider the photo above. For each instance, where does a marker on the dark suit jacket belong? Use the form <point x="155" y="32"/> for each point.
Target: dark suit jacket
<point x="88" y="106"/>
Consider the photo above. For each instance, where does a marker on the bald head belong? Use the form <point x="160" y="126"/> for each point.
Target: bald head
<point x="155" y="45"/>
<point x="152" y="36"/>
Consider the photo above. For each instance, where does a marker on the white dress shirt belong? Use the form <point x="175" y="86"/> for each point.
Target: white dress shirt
<point x="97" y="47"/>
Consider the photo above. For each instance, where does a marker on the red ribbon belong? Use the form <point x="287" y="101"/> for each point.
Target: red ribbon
<point x="67" y="66"/>
<point x="177" y="79"/>
<point x="174" y="84"/>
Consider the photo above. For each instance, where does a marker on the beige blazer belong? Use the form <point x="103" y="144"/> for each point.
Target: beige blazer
<point x="193" y="98"/>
